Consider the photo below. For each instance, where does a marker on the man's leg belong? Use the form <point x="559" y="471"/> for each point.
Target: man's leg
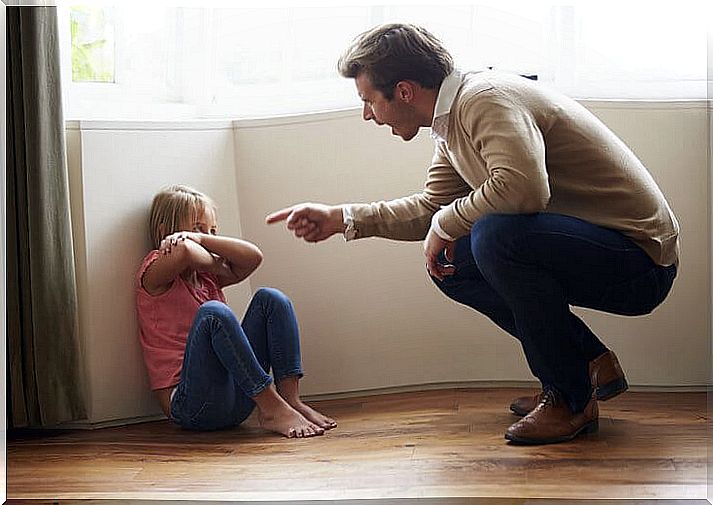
<point x="540" y="264"/>
<point x="468" y="286"/>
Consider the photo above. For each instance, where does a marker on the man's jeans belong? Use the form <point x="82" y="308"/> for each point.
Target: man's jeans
<point x="226" y="364"/>
<point x="524" y="272"/>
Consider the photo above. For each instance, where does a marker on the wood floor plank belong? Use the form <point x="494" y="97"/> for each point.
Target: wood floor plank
<point x="430" y="444"/>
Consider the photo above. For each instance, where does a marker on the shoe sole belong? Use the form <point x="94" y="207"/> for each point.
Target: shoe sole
<point x="602" y="394"/>
<point x="591" y="427"/>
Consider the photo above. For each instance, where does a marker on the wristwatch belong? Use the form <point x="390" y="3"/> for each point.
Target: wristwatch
<point x="350" y="231"/>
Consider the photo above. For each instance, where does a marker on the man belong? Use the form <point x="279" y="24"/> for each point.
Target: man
<point x="531" y="205"/>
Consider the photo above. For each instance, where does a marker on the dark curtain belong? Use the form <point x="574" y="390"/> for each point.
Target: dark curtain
<point x="43" y="352"/>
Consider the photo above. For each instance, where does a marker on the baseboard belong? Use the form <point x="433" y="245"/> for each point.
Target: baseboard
<point x="402" y="501"/>
<point x="533" y="385"/>
<point x="111" y="423"/>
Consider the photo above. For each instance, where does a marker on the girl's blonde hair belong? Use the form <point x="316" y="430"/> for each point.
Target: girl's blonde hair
<point x="172" y="207"/>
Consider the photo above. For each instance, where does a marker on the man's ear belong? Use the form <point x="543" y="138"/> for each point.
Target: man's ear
<point x="405" y="91"/>
<point x="161" y="230"/>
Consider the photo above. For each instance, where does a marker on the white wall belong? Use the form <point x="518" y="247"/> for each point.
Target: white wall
<point x="114" y="173"/>
<point x="369" y="316"/>
<point x="672" y="346"/>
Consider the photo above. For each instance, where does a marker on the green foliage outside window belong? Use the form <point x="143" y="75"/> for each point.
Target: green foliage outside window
<point x="92" y="44"/>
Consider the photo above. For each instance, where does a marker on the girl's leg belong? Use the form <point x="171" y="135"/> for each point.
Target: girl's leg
<point x="205" y="398"/>
<point x="222" y="381"/>
<point x="271" y="327"/>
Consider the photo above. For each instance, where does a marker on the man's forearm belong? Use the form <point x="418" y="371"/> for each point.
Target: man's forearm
<point x="407" y="218"/>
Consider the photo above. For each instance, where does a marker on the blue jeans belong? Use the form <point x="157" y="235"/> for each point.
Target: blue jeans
<point x="525" y="271"/>
<point x="225" y="364"/>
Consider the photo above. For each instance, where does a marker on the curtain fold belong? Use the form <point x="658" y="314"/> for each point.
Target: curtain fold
<point x="43" y="351"/>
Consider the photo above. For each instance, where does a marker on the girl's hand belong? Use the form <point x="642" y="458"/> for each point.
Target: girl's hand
<point x="173" y="240"/>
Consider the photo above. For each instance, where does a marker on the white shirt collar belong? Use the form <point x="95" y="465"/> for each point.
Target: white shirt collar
<point x="444" y="101"/>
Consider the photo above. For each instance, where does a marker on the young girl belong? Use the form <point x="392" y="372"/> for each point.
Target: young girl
<point x="208" y="370"/>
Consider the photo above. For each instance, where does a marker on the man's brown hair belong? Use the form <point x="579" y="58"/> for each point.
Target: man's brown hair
<point x="397" y="52"/>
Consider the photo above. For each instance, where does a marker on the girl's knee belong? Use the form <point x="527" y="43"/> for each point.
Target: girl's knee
<point x="213" y="307"/>
<point x="272" y="295"/>
<point x="216" y="310"/>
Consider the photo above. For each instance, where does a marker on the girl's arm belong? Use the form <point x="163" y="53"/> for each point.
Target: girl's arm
<point x="238" y="258"/>
<point x="179" y="252"/>
<point x="230" y="259"/>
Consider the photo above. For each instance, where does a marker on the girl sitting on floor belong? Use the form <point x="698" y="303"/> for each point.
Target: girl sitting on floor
<point x="208" y="370"/>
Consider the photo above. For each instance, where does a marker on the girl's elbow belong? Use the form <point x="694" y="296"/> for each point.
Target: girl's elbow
<point x="247" y="265"/>
<point x="252" y="260"/>
<point x="258" y="258"/>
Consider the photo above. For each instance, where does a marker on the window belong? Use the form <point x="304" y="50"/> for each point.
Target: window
<point x="157" y="61"/>
<point x="92" y="36"/>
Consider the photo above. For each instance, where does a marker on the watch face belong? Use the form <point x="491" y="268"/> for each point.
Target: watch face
<point x="350" y="232"/>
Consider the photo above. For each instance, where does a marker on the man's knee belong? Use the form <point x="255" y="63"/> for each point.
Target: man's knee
<point x="446" y="286"/>
<point x="497" y="235"/>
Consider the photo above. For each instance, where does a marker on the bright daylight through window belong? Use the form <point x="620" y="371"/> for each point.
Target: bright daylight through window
<point x="164" y="62"/>
<point x="93" y="49"/>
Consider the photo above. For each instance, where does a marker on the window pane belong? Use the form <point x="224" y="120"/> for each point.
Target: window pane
<point x="272" y="61"/>
<point x="639" y="53"/>
<point x="92" y="44"/>
<point x="171" y="61"/>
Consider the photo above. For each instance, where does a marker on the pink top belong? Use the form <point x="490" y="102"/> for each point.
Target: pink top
<point x="166" y="319"/>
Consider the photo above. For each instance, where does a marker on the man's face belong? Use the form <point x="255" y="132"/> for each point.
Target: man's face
<point x="398" y="112"/>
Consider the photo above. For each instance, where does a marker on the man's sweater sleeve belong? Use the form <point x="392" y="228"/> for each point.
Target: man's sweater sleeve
<point x="409" y="218"/>
<point x="506" y="140"/>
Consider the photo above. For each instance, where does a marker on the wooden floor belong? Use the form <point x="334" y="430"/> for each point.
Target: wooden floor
<point x="426" y="445"/>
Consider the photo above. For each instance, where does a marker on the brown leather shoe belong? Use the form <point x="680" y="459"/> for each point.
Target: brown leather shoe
<point x="552" y="421"/>
<point x="525" y="404"/>
<point x="606" y="376"/>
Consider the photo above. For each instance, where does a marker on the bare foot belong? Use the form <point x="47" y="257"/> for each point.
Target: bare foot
<point x="288" y="388"/>
<point x="289" y="422"/>
<point x="317" y="418"/>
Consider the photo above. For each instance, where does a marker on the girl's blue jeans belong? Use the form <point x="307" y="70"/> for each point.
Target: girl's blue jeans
<point x="227" y="363"/>
<point x="525" y="271"/>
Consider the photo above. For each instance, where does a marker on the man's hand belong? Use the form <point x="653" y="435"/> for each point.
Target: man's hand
<point x="313" y="222"/>
<point x="432" y="247"/>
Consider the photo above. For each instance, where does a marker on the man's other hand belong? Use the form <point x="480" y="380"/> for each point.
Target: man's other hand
<point x="313" y="222"/>
<point x="432" y="247"/>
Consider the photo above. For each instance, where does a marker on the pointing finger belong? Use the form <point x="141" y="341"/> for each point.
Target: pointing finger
<point x="280" y="215"/>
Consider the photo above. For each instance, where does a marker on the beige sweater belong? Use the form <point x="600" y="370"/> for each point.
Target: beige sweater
<point x="515" y="146"/>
